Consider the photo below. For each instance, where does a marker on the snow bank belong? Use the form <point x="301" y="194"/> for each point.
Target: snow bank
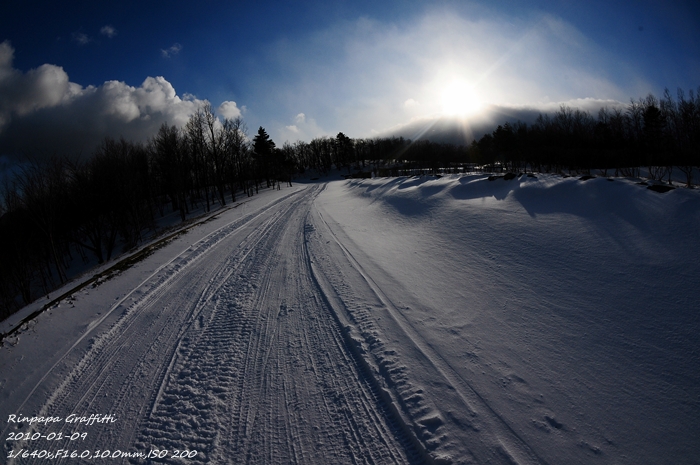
<point x="568" y="306"/>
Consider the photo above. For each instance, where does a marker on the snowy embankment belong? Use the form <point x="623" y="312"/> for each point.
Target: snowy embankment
<point x="397" y="320"/>
<point x="545" y="319"/>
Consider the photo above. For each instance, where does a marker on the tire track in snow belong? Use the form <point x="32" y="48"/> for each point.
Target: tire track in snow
<point x="228" y="350"/>
<point x="489" y="438"/>
<point x="287" y="389"/>
<point x="120" y="367"/>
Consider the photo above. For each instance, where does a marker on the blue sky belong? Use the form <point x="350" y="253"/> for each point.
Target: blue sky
<point x="82" y="70"/>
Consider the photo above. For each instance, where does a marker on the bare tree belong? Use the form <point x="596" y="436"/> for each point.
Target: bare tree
<point x="43" y="192"/>
<point x="236" y="147"/>
<point x="216" y="150"/>
<point x="197" y="144"/>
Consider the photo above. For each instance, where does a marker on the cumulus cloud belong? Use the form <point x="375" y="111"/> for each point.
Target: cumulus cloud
<point x="108" y="31"/>
<point x="42" y="111"/>
<point x="20" y="94"/>
<point x="171" y="51"/>
<point x="229" y="109"/>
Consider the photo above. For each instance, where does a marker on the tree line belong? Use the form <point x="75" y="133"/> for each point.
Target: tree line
<point x="657" y="134"/>
<point x="651" y="133"/>
<point x="57" y="212"/>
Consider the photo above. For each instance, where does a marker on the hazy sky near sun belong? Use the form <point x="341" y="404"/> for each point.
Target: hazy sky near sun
<point x="75" y="70"/>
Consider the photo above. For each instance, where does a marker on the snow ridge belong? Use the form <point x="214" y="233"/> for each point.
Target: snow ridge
<point x="442" y="435"/>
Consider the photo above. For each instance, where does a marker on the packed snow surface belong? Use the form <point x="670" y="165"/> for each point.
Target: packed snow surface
<point x="538" y="320"/>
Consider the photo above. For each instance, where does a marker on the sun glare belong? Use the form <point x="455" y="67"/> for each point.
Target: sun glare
<point x="459" y="99"/>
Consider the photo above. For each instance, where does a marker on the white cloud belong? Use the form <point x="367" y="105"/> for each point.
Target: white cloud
<point x="42" y="110"/>
<point x="304" y="128"/>
<point x="229" y="109"/>
<point x="81" y="38"/>
<point x="171" y="51"/>
<point x="108" y="31"/>
<point x="21" y="94"/>
<point x="355" y="76"/>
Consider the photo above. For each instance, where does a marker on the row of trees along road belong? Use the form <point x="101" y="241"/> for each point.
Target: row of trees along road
<point x="58" y="213"/>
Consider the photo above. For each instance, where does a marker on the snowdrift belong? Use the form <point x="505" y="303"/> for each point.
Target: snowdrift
<point x="566" y="308"/>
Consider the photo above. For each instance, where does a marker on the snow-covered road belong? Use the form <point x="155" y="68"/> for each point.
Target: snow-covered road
<point x="384" y="321"/>
<point x="229" y="350"/>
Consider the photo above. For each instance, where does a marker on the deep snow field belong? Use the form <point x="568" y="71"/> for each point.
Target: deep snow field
<point x="570" y="308"/>
<point x="394" y="320"/>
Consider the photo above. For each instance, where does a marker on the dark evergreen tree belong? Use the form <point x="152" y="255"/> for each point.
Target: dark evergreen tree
<point x="264" y="150"/>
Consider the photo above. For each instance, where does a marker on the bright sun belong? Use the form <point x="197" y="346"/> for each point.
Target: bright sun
<point x="459" y="99"/>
